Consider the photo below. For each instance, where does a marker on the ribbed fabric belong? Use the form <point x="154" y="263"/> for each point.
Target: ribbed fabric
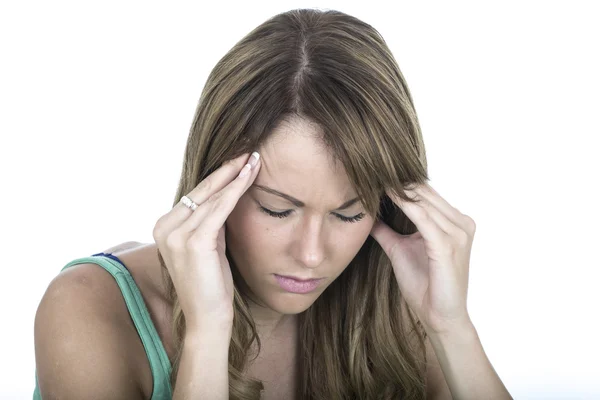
<point x="159" y="361"/>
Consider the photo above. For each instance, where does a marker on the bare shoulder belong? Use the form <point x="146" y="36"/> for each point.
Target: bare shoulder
<point x="84" y="346"/>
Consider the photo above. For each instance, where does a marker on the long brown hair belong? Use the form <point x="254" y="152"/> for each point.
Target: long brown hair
<point x="336" y="71"/>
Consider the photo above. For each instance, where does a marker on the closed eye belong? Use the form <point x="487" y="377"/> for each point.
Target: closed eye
<point x="286" y="213"/>
<point x="275" y="214"/>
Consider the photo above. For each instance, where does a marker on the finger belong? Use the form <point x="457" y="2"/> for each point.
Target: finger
<point x="393" y="245"/>
<point x="206" y="188"/>
<point x="216" y="181"/>
<point x="433" y="197"/>
<point x="439" y="217"/>
<point x="213" y="213"/>
<point x="428" y="220"/>
<point x="386" y="237"/>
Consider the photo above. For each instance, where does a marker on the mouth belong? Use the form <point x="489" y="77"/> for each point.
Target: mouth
<point x="296" y="285"/>
<point x="299" y="279"/>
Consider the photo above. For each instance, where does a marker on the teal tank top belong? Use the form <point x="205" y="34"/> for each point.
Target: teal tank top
<point x="159" y="361"/>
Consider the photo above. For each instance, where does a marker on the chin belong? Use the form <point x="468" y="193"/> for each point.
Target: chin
<point x="292" y="303"/>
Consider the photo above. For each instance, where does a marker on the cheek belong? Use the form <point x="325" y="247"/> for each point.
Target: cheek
<point x="249" y="234"/>
<point x="349" y="241"/>
<point x="240" y="226"/>
<point x="355" y="234"/>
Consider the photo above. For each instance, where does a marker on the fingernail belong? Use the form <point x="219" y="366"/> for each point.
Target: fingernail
<point x="254" y="159"/>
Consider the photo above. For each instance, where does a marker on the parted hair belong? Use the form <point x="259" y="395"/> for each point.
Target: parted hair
<point x="359" y="339"/>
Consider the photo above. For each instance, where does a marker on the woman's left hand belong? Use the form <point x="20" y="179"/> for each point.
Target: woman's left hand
<point x="432" y="265"/>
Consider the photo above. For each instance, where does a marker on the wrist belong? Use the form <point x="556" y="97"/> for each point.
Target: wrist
<point x="210" y="331"/>
<point x="459" y="334"/>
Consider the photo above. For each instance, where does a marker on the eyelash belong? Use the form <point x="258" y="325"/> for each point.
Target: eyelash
<point x="284" y="214"/>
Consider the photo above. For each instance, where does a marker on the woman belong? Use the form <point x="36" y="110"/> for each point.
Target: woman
<point x="335" y="192"/>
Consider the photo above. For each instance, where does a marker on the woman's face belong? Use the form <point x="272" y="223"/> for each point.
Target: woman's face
<point x="303" y="231"/>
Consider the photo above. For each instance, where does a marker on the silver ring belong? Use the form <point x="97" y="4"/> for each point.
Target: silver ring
<point x="188" y="203"/>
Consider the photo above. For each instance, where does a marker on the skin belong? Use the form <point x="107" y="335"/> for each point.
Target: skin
<point x="311" y="242"/>
<point x="431" y="266"/>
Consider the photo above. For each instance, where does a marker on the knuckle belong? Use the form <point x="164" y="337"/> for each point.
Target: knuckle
<point x="175" y="242"/>
<point x="157" y="231"/>
<point x="215" y="199"/>
<point x="462" y="238"/>
<point x="471" y="226"/>
<point x="206" y="184"/>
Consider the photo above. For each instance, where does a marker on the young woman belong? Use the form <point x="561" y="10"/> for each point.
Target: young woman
<point x="305" y="256"/>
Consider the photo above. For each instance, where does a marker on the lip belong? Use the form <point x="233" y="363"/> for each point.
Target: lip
<point x="298" y="286"/>
<point x="299" y="279"/>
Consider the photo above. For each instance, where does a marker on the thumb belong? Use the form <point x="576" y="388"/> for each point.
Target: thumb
<point x="388" y="239"/>
<point x="397" y="247"/>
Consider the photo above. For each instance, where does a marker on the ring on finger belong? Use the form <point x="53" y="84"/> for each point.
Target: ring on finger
<point x="188" y="203"/>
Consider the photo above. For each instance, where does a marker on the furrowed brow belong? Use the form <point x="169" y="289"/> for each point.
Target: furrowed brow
<point x="299" y="203"/>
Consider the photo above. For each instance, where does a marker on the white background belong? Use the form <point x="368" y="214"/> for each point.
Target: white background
<point x="96" y="100"/>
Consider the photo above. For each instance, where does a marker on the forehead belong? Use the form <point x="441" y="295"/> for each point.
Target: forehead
<point x="295" y="161"/>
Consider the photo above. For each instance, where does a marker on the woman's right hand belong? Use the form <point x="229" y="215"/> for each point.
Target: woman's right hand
<point x="192" y="244"/>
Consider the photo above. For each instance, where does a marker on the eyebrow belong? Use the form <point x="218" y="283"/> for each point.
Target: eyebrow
<point x="297" y="202"/>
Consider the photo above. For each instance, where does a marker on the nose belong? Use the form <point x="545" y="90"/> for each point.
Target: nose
<point x="309" y="244"/>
